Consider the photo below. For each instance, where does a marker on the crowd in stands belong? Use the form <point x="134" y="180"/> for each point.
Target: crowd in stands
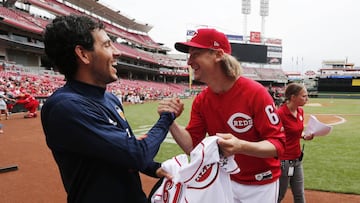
<point x="264" y="73"/>
<point x="277" y="93"/>
<point x="137" y="91"/>
<point x="37" y="85"/>
<point x="43" y="85"/>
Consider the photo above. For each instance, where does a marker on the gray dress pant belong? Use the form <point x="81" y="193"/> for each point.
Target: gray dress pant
<point x="296" y="180"/>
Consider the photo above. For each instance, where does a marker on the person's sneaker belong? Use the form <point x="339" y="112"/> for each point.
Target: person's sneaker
<point x="30" y="115"/>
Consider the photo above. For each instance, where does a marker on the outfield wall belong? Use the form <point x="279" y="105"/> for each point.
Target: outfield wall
<point x="342" y="95"/>
<point x="339" y="84"/>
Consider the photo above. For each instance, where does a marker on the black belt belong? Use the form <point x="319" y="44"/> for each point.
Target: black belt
<point x="298" y="159"/>
<point x="291" y="161"/>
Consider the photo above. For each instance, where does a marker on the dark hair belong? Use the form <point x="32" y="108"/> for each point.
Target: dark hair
<point x="63" y="35"/>
<point x="292" y="89"/>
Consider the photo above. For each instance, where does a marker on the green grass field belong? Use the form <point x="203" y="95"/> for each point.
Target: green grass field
<point x="331" y="163"/>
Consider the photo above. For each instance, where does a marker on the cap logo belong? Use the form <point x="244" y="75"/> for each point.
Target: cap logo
<point x="216" y="44"/>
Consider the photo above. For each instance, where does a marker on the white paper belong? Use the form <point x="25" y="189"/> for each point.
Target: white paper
<point x="314" y="126"/>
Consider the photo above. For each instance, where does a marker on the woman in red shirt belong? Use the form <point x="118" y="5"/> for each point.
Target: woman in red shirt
<point x="291" y="115"/>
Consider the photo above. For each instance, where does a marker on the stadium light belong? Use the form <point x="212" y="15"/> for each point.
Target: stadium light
<point x="264" y="11"/>
<point x="246" y="7"/>
<point x="264" y="8"/>
<point x="246" y="10"/>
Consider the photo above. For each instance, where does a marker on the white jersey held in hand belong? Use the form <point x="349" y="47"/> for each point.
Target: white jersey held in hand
<point x="205" y="179"/>
<point x="171" y="190"/>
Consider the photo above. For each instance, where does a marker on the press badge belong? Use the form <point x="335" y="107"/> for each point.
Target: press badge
<point x="291" y="171"/>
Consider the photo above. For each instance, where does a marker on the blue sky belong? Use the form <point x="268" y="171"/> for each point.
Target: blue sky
<point x="311" y="30"/>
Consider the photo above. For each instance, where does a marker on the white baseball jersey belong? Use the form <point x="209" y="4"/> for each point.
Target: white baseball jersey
<point x="171" y="190"/>
<point x="205" y="179"/>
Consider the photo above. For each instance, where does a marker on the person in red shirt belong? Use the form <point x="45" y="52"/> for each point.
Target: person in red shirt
<point x="237" y="109"/>
<point x="292" y="117"/>
<point x="30" y="104"/>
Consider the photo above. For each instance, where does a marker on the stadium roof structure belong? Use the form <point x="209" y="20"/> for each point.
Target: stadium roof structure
<point x="111" y="15"/>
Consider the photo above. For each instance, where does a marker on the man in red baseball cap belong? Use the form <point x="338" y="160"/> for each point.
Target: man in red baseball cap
<point x="237" y="109"/>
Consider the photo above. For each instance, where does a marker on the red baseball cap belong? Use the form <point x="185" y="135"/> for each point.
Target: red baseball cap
<point x="206" y="38"/>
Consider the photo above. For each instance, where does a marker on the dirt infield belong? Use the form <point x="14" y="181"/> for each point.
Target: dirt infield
<point x="37" y="179"/>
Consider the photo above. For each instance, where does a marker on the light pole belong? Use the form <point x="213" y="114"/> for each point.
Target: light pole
<point x="264" y="11"/>
<point x="246" y="10"/>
